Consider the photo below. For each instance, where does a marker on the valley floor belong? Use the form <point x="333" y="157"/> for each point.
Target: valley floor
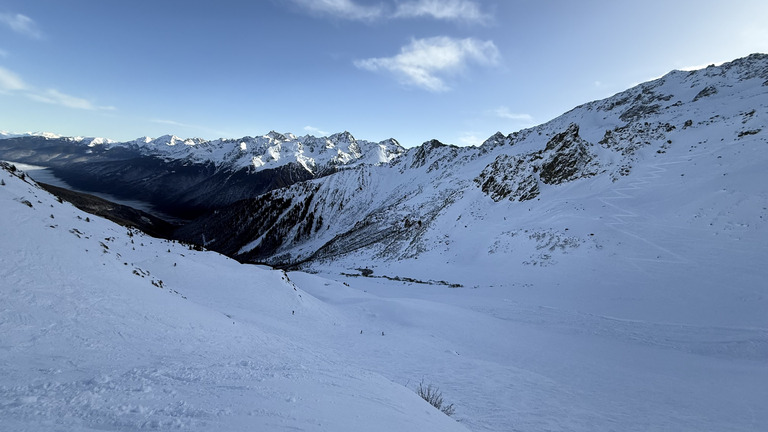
<point x="508" y="365"/>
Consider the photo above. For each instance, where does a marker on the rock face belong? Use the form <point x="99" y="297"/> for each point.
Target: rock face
<point x="565" y="158"/>
<point x="510" y="177"/>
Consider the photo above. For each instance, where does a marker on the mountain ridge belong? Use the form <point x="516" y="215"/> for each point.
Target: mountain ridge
<point x="375" y="207"/>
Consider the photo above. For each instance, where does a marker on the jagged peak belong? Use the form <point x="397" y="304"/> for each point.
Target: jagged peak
<point x="433" y="144"/>
<point x="391" y="142"/>
<point x="341" y="137"/>
<point x="494" y="140"/>
<point x="277" y="136"/>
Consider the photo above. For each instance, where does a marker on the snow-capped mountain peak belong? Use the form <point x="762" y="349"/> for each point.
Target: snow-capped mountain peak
<point x="271" y="150"/>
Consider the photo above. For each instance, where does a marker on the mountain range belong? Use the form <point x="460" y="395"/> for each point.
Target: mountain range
<point x="292" y="201"/>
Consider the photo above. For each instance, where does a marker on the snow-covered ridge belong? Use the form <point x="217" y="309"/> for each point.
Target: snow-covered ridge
<point x="271" y="150"/>
<point x="401" y="210"/>
<point x="49" y="135"/>
<point x="89" y="141"/>
<point x="268" y="151"/>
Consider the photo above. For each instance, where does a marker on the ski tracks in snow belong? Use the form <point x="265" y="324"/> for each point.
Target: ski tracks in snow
<point x="625" y="219"/>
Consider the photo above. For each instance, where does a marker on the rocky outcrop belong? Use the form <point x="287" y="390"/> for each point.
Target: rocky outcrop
<point x="565" y="158"/>
<point x="510" y="177"/>
<point x="706" y="91"/>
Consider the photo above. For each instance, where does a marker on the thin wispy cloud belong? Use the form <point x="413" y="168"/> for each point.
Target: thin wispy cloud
<point x="506" y="113"/>
<point x="172" y="123"/>
<point x="346" y="9"/>
<point x="315" y="131"/>
<point x="466" y="11"/>
<point x="448" y="10"/>
<point x="470" y="139"/>
<point x="10" y="82"/>
<point x="425" y="63"/>
<point x="55" y="97"/>
<point x="21" y="24"/>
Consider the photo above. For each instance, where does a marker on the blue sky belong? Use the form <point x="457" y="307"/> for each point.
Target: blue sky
<point x="454" y="70"/>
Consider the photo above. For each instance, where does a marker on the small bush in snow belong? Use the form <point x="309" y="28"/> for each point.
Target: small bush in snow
<point x="434" y="396"/>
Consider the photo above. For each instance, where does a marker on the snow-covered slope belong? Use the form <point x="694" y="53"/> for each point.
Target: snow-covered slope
<point x="105" y="328"/>
<point x="711" y="124"/>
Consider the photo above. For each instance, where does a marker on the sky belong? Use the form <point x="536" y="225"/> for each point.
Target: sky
<point x="414" y="70"/>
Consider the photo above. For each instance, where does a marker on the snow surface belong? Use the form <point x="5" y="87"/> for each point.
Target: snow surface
<point x="91" y="340"/>
<point x="100" y="330"/>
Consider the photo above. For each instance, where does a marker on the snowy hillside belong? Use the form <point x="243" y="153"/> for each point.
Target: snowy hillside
<point x="104" y="328"/>
<point x="685" y="138"/>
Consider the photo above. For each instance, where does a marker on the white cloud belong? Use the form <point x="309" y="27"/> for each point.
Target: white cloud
<point x="21" y="24"/>
<point x="9" y="81"/>
<point x="471" y="139"/>
<point x="505" y="113"/>
<point x="346" y="9"/>
<point x="424" y="62"/>
<point x="696" y="67"/>
<point x="449" y="10"/>
<point x="172" y="123"/>
<point x="315" y="131"/>
<point x="55" y="97"/>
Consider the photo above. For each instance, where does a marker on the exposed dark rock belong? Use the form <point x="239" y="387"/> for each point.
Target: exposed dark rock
<point x="567" y="158"/>
<point x="706" y="91"/>
<point x="646" y="102"/>
<point x="749" y="132"/>
<point x="510" y="177"/>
